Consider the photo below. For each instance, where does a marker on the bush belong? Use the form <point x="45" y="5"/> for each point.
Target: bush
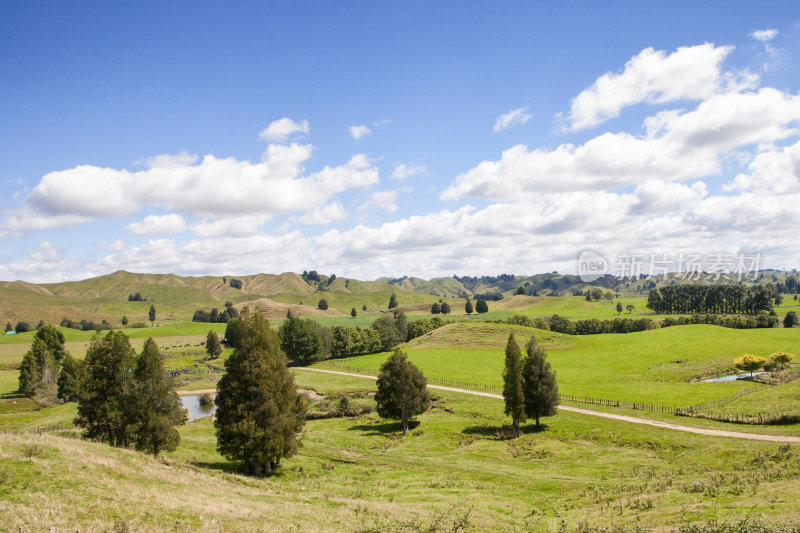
<point x="139" y="325"/>
<point x="206" y="399"/>
<point x="323" y="305"/>
<point x="22" y="327"/>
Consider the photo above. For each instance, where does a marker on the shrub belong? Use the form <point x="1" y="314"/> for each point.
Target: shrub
<point x="206" y="399"/>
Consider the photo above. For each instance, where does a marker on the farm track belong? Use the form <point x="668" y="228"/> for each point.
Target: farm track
<point x="621" y="418"/>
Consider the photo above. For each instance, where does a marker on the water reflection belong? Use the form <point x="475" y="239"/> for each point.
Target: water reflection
<point x="192" y="404"/>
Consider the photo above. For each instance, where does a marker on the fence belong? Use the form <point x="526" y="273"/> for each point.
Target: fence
<point x="39" y="430"/>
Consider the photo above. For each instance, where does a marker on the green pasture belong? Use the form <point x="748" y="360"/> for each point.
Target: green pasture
<point x="658" y="367"/>
<point x="452" y="473"/>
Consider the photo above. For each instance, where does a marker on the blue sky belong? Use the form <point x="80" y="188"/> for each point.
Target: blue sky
<point x="373" y="138"/>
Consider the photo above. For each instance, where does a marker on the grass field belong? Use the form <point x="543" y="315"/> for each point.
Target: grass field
<point x="657" y="367"/>
<point x="358" y="474"/>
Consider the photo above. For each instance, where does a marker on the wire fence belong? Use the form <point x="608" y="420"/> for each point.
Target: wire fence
<point x="39" y="429"/>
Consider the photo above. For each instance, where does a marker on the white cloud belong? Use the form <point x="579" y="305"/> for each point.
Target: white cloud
<point x="282" y="129"/>
<point x="775" y="170"/>
<point x="677" y="146"/>
<point x="114" y="246"/>
<point x="157" y="225"/>
<point x="359" y="131"/>
<point x="326" y="214"/>
<point x="653" y="76"/>
<point x="230" y="226"/>
<point x="764" y="36"/>
<point x="515" y="117"/>
<point x="403" y="171"/>
<point x="381" y="200"/>
<point x="208" y="187"/>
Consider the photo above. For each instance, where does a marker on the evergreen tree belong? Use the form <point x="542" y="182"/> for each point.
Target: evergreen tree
<point x="258" y="409"/>
<point x="124" y="320"/>
<point x="363" y="307"/>
<point x="300" y="342"/>
<point x="402" y="390"/>
<point x="213" y="346"/>
<point x="481" y="306"/>
<point x="323" y="304"/>
<point x="70" y="381"/>
<point x="393" y="301"/>
<point x="39" y="371"/>
<point x="512" y="384"/>
<point x="520" y="291"/>
<point x="538" y="383"/>
<point x="232" y="332"/>
<point x="468" y="307"/>
<point x="790" y="320"/>
<point x="445" y="308"/>
<point x="9" y="327"/>
<point x="153" y="408"/>
<point x="435" y="309"/>
<point x="53" y="339"/>
<point x="109" y="377"/>
<point x="353" y="312"/>
<point x="619" y="307"/>
<point x="151" y="315"/>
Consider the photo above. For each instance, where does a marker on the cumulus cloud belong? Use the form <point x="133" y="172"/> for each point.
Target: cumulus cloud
<point x="326" y="214"/>
<point x="282" y="129"/>
<point x="403" y="171"/>
<point x="764" y="36"/>
<point x="381" y="200"/>
<point x="653" y="76"/>
<point x="359" y="131"/>
<point x="775" y="170"/>
<point x="230" y="226"/>
<point x="157" y="225"/>
<point x="209" y="187"/>
<point x="515" y="117"/>
<point x="677" y="146"/>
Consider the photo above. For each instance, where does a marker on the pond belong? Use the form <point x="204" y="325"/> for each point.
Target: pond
<point x="732" y="377"/>
<point x="192" y="405"/>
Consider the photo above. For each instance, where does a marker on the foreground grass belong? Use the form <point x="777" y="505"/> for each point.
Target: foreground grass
<point x="360" y="474"/>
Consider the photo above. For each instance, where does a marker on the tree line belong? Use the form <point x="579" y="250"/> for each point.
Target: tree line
<point x="124" y="398"/>
<point x="714" y="299"/>
<point x="215" y="316"/>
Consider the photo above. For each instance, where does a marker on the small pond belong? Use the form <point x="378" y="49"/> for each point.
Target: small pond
<point x="732" y="377"/>
<point x="191" y="403"/>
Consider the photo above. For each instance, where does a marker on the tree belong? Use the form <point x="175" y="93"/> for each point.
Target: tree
<point x="232" y="332"/>
<point x="213" y="346"/>
<point x="630" y="308"/>
<point x="109" y="374"/>
<point x="393" y="301"/>
<point x="749" y="363"/>
<point x="71" y="378"/>
<point x="402" y="390"/>
<point x="538" y="383"/>
<point x="9" y="327"/>
<point x="391" y="330"/>
<point x="300" y="342"/>
<point x="53" y="339"/>
<point x="353" y="312"/>
<point x="609" y="296"/>
<point x="153" y="408"/>
<point x="435" y="309"/>
<point x="259" y="411"/>
<point x="597" y="294"/>
<point x="322" y="304"/>
<point x="363" y="307"/>
<point x="790" y="320"/>
<point x="468" y="307"/>
<point x="512" y="384"/>
<point x="124" y="320"/>
<point x="151" y="315"/>
<point x="781" y="358"/>
<point x="520" y="291"/>
<point x="481" y="307"/>
<point x="22" y="327"/>
<point x="445" y="308"/>
<point x="619" y="307"/>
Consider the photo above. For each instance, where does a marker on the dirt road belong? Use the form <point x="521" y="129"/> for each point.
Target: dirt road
<point x="622" y="418"/>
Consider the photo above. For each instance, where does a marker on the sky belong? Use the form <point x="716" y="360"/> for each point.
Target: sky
<point x="372" y="139"/>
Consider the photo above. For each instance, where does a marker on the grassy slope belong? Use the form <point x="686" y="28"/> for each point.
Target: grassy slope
<point x="359" y="475"/>
<point x="637" y="367"/>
